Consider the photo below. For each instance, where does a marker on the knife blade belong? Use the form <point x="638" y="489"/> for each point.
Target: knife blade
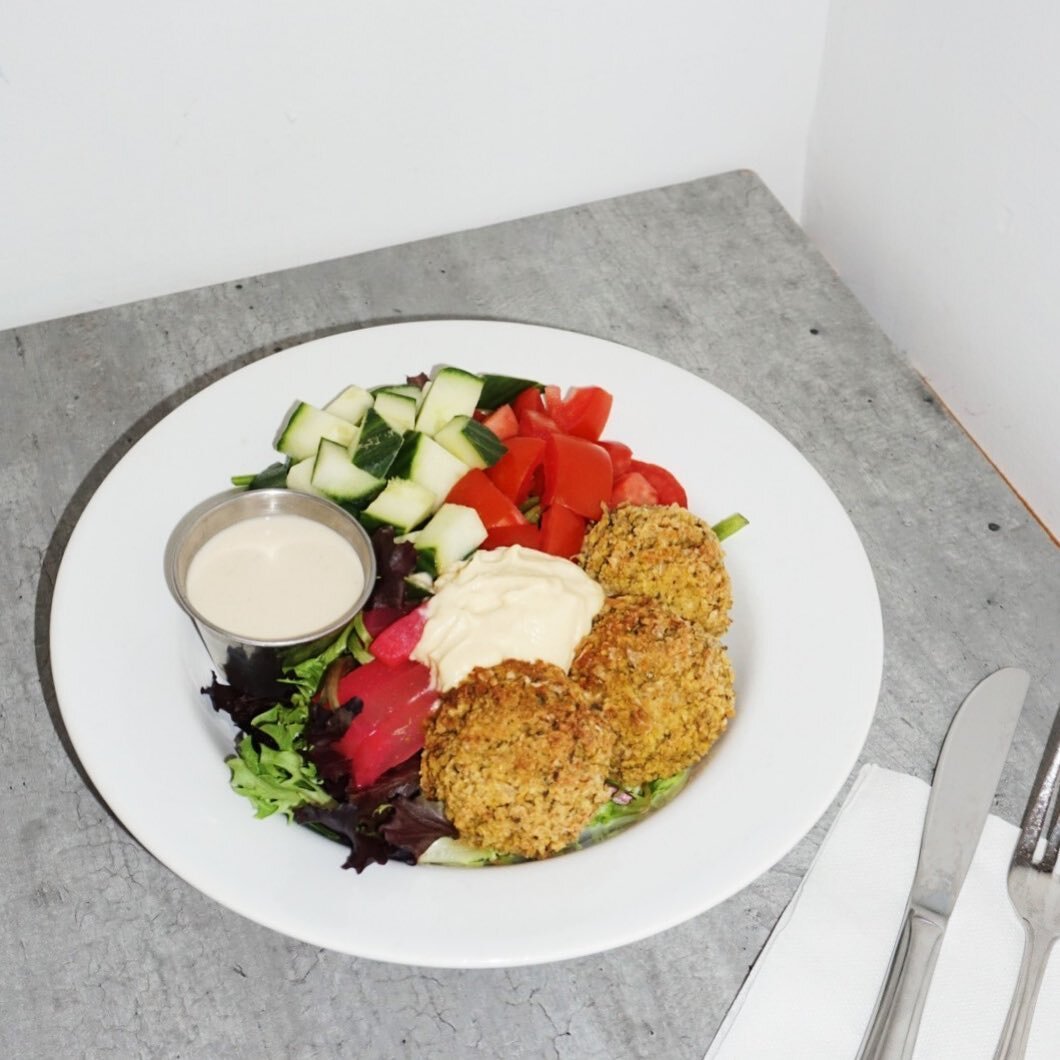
<point x="962" y="790"/>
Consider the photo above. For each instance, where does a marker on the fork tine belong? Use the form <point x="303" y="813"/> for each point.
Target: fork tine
<point x="1043" y="797"/>
<point x="1052" y="833"/>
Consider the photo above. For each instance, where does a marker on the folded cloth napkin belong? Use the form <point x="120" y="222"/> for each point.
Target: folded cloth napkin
<point x="812" y="991"/>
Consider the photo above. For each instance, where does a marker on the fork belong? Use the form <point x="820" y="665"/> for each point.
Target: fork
<point x="1035" y="893"/>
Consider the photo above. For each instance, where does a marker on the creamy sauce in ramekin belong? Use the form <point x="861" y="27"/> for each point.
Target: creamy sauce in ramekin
<point x="274" y="577"/>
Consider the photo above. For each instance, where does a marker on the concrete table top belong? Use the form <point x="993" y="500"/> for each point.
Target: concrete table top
<point x="105" y="953"/>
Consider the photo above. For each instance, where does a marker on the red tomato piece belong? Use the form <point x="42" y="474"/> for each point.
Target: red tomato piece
<point x="378" y="618"/>
<point x="528" y="535"/>
<point x="513" y="474"/>
<point x="670" y="491"/>
<point x="553" y="397"/>
<point x="577" y="475"/>
<point x="534" y="424"/>
<point x="584" y="413"/>
<point x="394" y="645"/>
<point x="389" y="728"/>
<point x="476" y="491"/>
<point x="529" y="399"/>
<point x="621" y="457"/>
<point x="633" y="488"/>
<point x="562" y="531"/>
<point x="503" y="422"/>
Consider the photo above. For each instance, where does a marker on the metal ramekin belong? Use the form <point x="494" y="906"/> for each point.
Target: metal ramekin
<point x="255" y="666"/>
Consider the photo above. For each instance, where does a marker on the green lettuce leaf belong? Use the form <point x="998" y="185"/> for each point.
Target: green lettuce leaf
<point x="614" y="816"/>
<point x="307" y="675"/>
<point x="609" y="819"/>
<point x="279" y="779"/>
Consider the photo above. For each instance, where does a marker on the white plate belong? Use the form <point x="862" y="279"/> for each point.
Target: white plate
<point x="806" y="645"/>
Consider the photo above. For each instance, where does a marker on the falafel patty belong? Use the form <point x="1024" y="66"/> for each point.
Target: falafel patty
<point x="665" y="553"/>
<point x="519" y="755"/>
<point x="665" y="684"/>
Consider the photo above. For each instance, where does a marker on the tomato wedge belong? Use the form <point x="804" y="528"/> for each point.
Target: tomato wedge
<point x="513" y="474"/>
<point x="378" y="618"/>
<point x="562" y="531"/>
<point x="503" y="422"/>
<point x="534" y="424"/>
<point x="577" y="475"/>
<point x="529" y="536"/>
<point x="621" y="457"/>
<point x="394" y="645"/>
<point x="584" y="412"/>
<point x="389" y="728"/>
<point x="553" y="398"/>
<point x="670" y="491"/>
<point x="633" y="488"/>
<point x="476" y="491"/>
<point x="528" y="400"/>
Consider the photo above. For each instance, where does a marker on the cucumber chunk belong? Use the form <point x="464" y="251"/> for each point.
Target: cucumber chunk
<point x="421" y="459"/>
<point x="300" y="477"/>
<point x="453" y="533"/>
<point x="377" y="445"/>
<point x="399" y="410"/>
<point x="452" y="392"/>
<point x="402" y="390"/>
<point x="339" y="480"/>
<point x="305" y="426"/>
<point x="402" y="505"/>
<point x="469" y="441"/>
<point x="499" y="390"/>
<point x="350" y="405"/>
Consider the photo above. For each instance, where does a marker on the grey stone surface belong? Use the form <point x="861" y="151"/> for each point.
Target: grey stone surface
<point x="105" y="953"/>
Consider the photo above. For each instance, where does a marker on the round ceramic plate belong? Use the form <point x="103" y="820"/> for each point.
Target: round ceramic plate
<point x="805" y="642"/>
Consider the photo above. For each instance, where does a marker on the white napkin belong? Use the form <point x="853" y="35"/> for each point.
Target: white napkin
<point x="812" y="991"/>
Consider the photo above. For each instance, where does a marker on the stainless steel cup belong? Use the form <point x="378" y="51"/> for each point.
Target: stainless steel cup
<point x="255" y="666"/>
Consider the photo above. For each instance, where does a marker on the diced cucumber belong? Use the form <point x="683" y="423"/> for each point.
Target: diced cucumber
<point x="336" y="478"/>
<point x="469" y="441"/>
<point x="402" y="505"/>
<point x="350" y="405"/>
<point x="377" y="445"/>
<point x="423" y="460"/>
<point x="453" y="533"/>
<point x="402" y="390"/>
<point x="300" y="476"/>
<point x="452" y="392"/>
<point x="399" y="410"/>
<point x="301" y="433"/>
<point x="498" y="390"/>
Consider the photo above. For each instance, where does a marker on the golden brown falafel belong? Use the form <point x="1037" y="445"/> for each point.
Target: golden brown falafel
<point x="665" y="553"/>
<point x="665" y="684"/>
<point x="519" y="755"/>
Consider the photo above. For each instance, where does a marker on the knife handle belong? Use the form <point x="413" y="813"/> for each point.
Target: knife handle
<point x="896" y="1019"/>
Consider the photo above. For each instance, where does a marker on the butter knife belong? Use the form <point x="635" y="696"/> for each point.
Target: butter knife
<point x="966" y="776"/>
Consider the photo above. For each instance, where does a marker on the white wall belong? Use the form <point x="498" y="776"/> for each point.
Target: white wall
<point x="933" y="185"/>
<point x="147" y="148"/>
